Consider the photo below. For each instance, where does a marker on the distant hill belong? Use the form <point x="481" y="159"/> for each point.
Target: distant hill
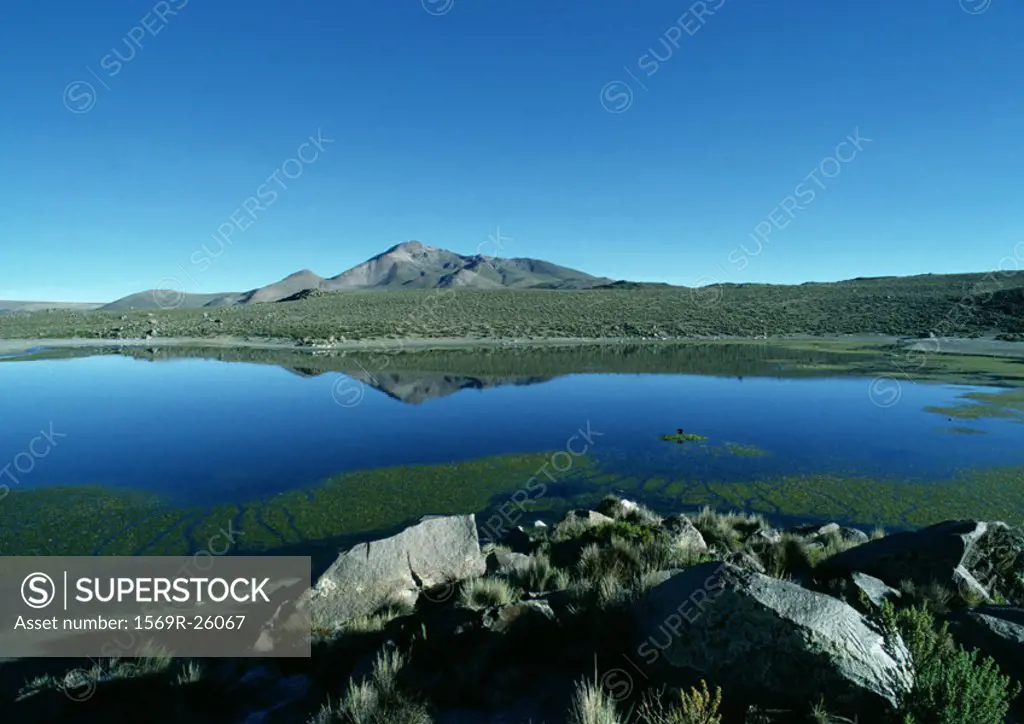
<point x="161" y="299"/>
<point x="8" y="307"/>
<point x="410" y="265"/>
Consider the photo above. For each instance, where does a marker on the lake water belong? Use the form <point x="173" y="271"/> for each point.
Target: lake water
<point x="114" y="454"/>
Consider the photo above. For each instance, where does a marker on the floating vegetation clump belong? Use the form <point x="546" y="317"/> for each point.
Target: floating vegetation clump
<point x="680" y="436"/>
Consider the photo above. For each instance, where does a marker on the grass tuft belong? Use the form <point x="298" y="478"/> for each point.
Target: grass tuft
<point x="592" y="705"/>
<point x="480" y="593"/>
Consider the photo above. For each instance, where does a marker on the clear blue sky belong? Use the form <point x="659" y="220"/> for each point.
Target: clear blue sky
<point x="480" y="115"/>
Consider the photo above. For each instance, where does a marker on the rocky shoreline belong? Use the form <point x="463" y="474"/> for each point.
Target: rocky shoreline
<point x="617" y="615"/>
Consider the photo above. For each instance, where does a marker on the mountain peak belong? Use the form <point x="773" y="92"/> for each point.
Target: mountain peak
<point x="415" y="265"/>
<point x="411" y="245"/>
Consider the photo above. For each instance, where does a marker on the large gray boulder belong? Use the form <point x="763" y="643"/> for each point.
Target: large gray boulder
<point x="770" y="641"/>
<point x="978" y="558"/>
<point x="996" y="631"/>
<point x="432" y="553"/>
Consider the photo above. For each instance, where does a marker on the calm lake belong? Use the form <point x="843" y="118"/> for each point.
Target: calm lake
<point x="114" y="454"/>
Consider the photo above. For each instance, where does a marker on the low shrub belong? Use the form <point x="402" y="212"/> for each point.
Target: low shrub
<point x="951" y="685"/>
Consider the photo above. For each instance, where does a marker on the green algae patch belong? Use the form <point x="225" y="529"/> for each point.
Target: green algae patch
<point x="145" y="533"/>
<point x="108" y="521"/>
<point x="256" y="532"/>
<point x="654" y="484"/>
<point x="381" y="498"/>
<point x="97" y="520"/>
<point x="745" y="451"/>
<point x="1008" y="404"/>
<point x="76" y="520"/>
<point x="987" y="494"/>
<point x="218" y="530"/>
<point x="175" y="540"/>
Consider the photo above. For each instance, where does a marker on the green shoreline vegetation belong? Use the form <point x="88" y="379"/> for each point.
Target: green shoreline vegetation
<point x="106" y="521"/>
<point x="891" y="305"/>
